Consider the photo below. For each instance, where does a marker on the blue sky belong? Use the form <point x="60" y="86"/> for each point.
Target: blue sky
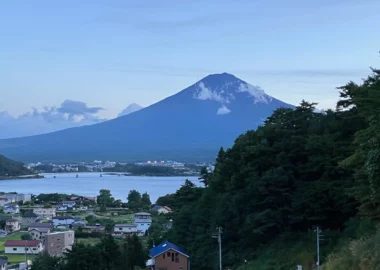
<point x="112" y="53"/>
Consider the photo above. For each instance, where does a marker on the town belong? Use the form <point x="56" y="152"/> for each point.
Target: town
<point x="52" y="223"/>
<point x="154" y="167"/>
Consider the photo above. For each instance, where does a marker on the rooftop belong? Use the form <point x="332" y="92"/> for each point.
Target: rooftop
<point x="165" y="246"/>
<point x="41" y="229"/>
<point x="30" y="214"/>
<point x="21" y="243"/>
<point x="63" y="217"/>
<point x="41" y="225"/>
<point x="12" y="220"/>
<point x="125" y="225"/>
<point x="142" y="214"/>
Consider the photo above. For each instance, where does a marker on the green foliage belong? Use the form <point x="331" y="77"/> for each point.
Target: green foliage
<point x="145" y="201"/>
<point x="26" y="236"/>
<point x="167" y="200"/>
<point x="205" y="176"/>
<point x="50" y="198"/>
<point x="105" y="198"/>
<point x="105" y="255"/>
<point x="12" y="168"/>
<point x="134" y="200"/>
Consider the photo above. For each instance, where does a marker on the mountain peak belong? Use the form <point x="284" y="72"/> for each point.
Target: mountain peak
<point x="226" y="88"/>
<point x="133" y="107"/>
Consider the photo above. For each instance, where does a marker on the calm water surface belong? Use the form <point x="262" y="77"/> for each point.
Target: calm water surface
<point x="89" y="184"/>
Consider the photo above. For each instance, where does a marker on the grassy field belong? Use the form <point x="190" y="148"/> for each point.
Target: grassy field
<point x="13" y="258"/>
<point x="88" y="241"/>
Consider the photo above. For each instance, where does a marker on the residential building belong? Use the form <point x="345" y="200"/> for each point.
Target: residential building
<point x="63" y="220"/>
<point x="4" y="201"/>
<point x="61" y="208"/>
<point x="169" y="257"/>
<point x="12" y="225"/>
<point x="161" y="209"/>
<point x="17" y="197"/>
<point x="48" y="225"/>
<point x="83" y="208"/>
<point x="58" y="242"/>
<point x="96" y="228"/>
<point x="44" y="212"/>
<point x="69" y="204"/>
<point x="23" y="246"/>
<point x="28" y="218"/>
<point x="125" y="229"/>
<point x="143" y="220"/>
<point x="3" y="233"/>
<point x="3" y="263"/>
<point x="39" y="233"/>
<point x="11" y="208"/>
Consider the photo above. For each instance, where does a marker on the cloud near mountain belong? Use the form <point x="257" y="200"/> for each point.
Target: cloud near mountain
<point x="69" y="114"/>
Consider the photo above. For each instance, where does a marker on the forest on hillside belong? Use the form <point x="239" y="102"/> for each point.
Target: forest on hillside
<point x="12" y="168"/>
<point x="299" y="170"/>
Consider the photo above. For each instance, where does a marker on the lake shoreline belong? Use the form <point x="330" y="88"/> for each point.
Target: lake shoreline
<point x="22" y="177"/>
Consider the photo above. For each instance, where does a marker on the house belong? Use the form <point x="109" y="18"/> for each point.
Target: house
<point x="44" y="212"/>
<point x="83" y="208"/>
<point x="169" y="257"/>
<point x="3" y="263"/>
<point x="3" y="201"/>
<point x="125" y="229"/>
<point x="63" y="221"/>
<point x="96" y="228"/>
<point x="39" y="233"/>
<point x="161" y="209"/>
<point x="61" y="208"/>
<point x="83" y="198"/>
<point x="17" y="197"/>
<point x="28" y="218"/>
<point x="143" y="220"/>
<point x="48" y="225"/>
<point x="11" y="208"/>
<point x="23" y="246"/>
<point x="69" y="204"/>
<point x="58" y="242"/>
<point x="12" y="225"/>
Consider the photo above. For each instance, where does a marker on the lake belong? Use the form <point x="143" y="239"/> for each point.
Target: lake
<point x="89" y="184"/>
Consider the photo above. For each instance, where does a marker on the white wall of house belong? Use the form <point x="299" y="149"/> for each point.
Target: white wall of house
<point x="21" y="250"/>
<point x="122" y="229"/>
<point x="58" y="222"/>
<point x="163" y="210"/>
<point x="44" y="212"/>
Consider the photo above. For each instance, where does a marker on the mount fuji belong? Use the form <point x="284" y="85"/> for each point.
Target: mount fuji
<point x="189" y="126"/>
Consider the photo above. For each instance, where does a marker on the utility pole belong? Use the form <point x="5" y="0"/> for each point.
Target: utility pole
<point x="218" y="235"/>
<point x="220" y="247"/>
<point x="318" y="231"/>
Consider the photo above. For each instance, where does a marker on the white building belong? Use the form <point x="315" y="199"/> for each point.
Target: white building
<point x="12" y="225"/>
<point x="125" y="229"/>
<point x="22" y="246"/>
<point x="4" y="201"/>
<point x="62" y="208"/>
<point x="17" y="197"/>
<point x="39" y="233"/>
<point x="63" y="221"/>
<point x="11" y="208"/>
<point x="44" y="212"/>
<point x="143" y="220"/>
<point x="70" y="204"/>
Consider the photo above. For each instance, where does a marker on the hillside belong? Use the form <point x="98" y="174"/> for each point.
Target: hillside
<point x="188" y="126"/>
<point x="12" y="168"/>
<point x="275" y="185"/>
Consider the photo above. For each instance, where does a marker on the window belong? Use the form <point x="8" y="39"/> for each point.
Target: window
<point x="172" y="257"/>
<point x="34" y="248"/>
<point x="120" y="229"/>
<point x="163" y="256"/>
<point x="176" y="260"/>
<point x="169" y="254"/>
<point x="14" y="249"/>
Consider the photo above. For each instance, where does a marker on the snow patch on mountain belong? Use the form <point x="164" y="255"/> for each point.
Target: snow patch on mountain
<point x="223" y="110"/>
<point x="255" y="91"/>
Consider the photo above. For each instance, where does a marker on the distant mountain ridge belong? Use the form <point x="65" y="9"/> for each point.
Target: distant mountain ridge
<point x="131" y="108"/>
<point x="190" y="125"/>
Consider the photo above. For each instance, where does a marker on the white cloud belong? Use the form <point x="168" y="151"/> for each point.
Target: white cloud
<point x="223" y="110"/>
<point x="205" y="93"/>
<point x="48" y="120"/>
<point x="255" y="91"/>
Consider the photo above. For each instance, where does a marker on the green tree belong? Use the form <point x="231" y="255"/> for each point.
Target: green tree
<point x="26" y="236"/>
<point x="134" y="200"/>
<point x="145" y="201"/>
<point x="105" y="198"/>
<point x="45" y="262"/>
<point x="205" y="176"/>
